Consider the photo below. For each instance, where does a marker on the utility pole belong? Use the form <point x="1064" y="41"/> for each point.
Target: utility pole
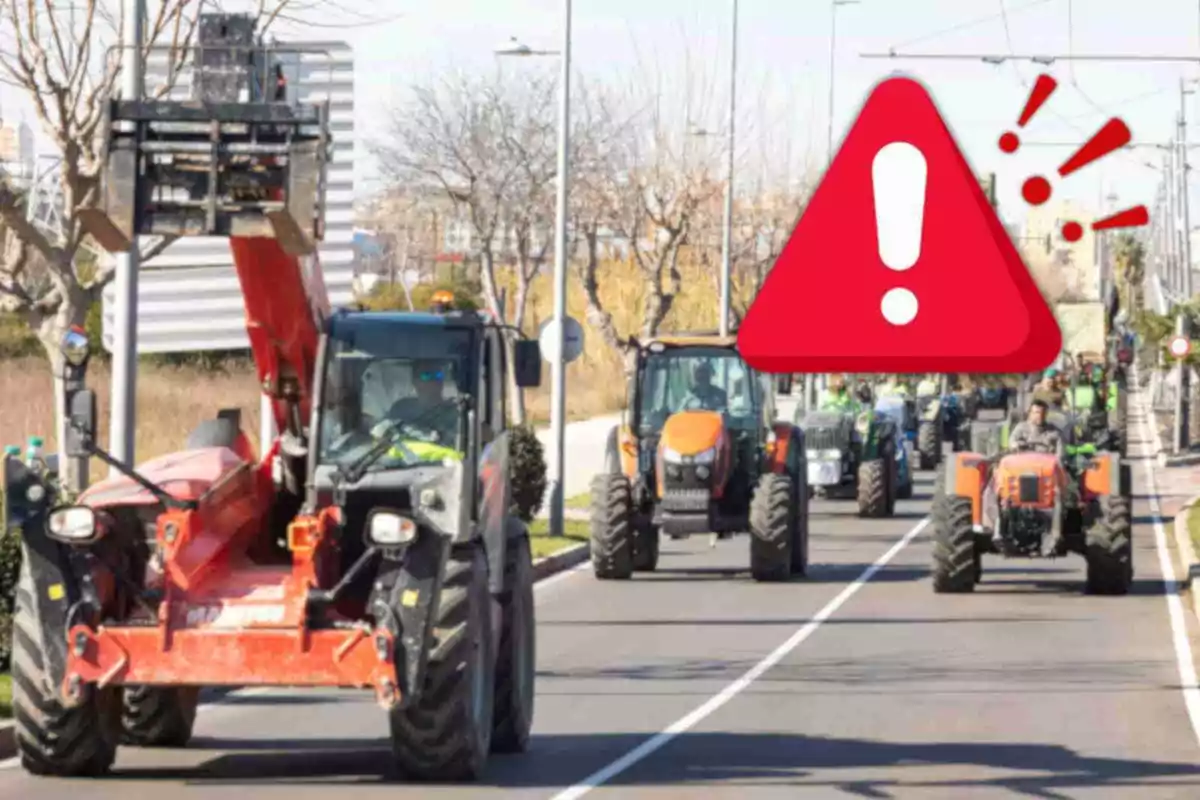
<point x="123" y="425"/>
<point x="1183" y="404"/>
<point x="727" y="223"/>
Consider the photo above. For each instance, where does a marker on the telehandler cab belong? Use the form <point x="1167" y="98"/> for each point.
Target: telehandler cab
<point x="700" y="451"/>
<point x="369" y="546"/>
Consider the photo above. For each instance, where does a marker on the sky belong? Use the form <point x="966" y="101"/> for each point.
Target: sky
<point x="784" y="69"/>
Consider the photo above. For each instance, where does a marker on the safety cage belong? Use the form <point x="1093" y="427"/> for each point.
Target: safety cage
<point x="240" y="157"/>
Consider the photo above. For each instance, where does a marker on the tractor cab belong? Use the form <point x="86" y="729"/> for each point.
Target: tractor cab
<point x="697" y="412"/>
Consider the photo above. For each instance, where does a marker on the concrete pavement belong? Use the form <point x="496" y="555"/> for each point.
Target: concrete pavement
<point x="857" y="682"/>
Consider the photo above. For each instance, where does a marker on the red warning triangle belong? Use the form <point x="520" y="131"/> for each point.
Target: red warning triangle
<point x="822" y="307"/>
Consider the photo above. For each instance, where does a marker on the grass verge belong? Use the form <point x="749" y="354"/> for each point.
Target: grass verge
<point x="574" y="532"/>
<point x="5" y="696"/>
<point x="1194" y="525"/>
<point x="581" y="501"/>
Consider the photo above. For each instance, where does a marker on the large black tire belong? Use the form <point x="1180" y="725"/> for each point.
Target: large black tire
<point x="612" y="527"/>
<point x="51" y="739"/>
<point x="1109" y="550"/>
<point x="800" y="539"/>
<point x="645" y="548"/>
<point x="772" y="529"/>
<point x="929" y="444"/>
<point x="873" y="490"/>
<point x="154" y="716"/>
<point x="446" y="734"/>
<point x="956" y="564"/>
<point x="516" y="655"/>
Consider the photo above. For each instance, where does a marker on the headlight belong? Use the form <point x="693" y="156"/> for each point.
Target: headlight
<point x="672" y="456"/>
<point x="706" y="457"/>
<point x="73" y="525"/>
<point x="389" y="529"/>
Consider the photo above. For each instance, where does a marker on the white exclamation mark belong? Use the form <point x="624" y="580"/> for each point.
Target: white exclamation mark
<point x="898" y="176"/>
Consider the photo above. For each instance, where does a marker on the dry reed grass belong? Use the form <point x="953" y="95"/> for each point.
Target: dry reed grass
<point x="596" y="381"/>
<point x="173" y="400"/>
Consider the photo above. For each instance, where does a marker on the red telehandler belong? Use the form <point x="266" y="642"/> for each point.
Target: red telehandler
<point x="370" y="545"/>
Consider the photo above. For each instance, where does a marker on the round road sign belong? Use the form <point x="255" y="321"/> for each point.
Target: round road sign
<point x="573" y="339"/>
<point x="1180" y="346"/>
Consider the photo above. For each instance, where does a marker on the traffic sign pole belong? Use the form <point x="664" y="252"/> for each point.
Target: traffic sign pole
<point x="1183" y="437"/>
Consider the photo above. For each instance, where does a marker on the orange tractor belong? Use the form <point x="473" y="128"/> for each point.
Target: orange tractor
<point x="700" y="451"/>
<point x="1044" y="504"/>
<point x="369" y="546"/>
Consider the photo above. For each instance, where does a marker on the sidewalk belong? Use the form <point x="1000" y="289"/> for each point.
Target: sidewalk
<point x="586" y="441"/>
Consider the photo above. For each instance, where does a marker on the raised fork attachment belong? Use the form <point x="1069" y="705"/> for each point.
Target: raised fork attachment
<point x="194" y="168"/>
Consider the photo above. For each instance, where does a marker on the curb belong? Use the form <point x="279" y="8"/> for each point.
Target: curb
<point x="543" y="568"/>
<point x="561" y="561"/>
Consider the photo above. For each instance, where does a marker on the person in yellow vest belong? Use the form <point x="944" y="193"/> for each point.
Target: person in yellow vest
<point x="838" y="397"/>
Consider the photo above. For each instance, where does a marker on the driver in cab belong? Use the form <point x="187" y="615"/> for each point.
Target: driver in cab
<point x="704" y="395"/>
<point x="1034" y="433"/>
<point x="425" y="422"/>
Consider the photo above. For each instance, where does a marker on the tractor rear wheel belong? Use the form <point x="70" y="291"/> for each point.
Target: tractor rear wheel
<point x="929" y="444"/>
<point x="957" y="567"/>
<point x="154" y="716"/>
<point x="516" y="658"/>
<point x="612" y="527"/>
<point x="873" y="488"/>
<point x="645" y="548"/>
<point x="1109" y="549"/>
<point x="446" y="734"/>
<point x="52" y="739"/>
<point x="772" y="529"/>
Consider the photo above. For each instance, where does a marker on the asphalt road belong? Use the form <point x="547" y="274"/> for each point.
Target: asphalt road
<point x="825" y="687"/>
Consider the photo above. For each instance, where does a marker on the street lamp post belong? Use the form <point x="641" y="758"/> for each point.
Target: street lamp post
<point x="727" y="223"/>
<point x="558" y="382"/>
<point x="833" y="7"/>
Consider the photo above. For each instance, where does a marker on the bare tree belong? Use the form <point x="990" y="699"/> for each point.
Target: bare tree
<point x="66" y="58"/>
<point x="639" y="190"/>
<point x="488" y="144"/>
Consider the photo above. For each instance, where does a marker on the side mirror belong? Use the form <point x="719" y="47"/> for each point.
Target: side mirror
<point x="783" y="383"/>
<point x="75" y="347"/>
<point x="527" y="363"/>
<point x="81" y="425"/>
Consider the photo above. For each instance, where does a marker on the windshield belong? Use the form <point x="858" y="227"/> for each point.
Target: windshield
<point x="695" y="379"/>
<point x="373" y="392"/>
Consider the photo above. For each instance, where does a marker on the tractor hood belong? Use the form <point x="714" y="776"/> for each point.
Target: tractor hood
<point x="690" y="433"/>
<point x="187" y="476"/>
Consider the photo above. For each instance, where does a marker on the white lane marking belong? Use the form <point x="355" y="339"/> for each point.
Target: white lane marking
<point x="682" y="725"/>
<point x="255" y="691"/>
<point x="1179" y="634"/>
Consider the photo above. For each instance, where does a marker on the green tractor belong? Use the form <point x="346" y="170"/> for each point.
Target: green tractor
<point x="853" y="453"/>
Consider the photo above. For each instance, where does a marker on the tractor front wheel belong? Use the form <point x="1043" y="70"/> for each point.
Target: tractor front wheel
<point x="612" y="528"/>
<point x="957" y="566"/>
<point x="154" y="716"/>
<point x="800" y="541"/>
<point x="1109" y="549"/>
<point x="53" y="739"/>
<point x="446" y="735"/>
<point x="873" y="489"/>
<point x="645" y="548"/>
<point x="772" y="529"/>
<point x="516" y="658"/>
<point x="929" y="444"/>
